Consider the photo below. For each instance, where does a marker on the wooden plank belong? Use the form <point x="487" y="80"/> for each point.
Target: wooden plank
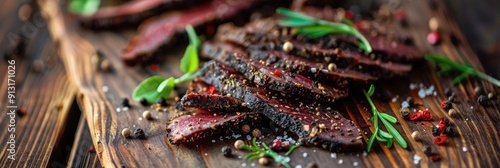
<point x="478" y="134"/>
<point x="46" y="97"/>
<point x="81" y="152"/>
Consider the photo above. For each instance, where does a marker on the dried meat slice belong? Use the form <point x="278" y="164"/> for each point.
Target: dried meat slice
<point x="201" y="124"/>
<point x="207" y="97"/>
<point x="157" y="32"/>
<point x="310" y="120"/>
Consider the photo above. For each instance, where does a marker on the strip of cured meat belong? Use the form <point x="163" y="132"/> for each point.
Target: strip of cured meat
<point x="274" y="78"/>
<point x="207" y="97"/>
<point x="315" y="123"/>
<point x="157" y="32"/>
<point x="200" y="124"/>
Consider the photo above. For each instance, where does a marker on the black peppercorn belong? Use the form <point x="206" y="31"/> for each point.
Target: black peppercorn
<point x="226" y="151"/>
<point x="21" y="112"/>
<point x="144" y="102"/>
<point x="448" y="92"/>
<point x="139" y="133"/>
<point x="162" y="102"/>
<point x="427" y="150"/>
<point x="447" y="106"/>
<point x="436" y="131"/>
<point x="450" y="131"/>
<point x="125" y="102"/>
<point x="410" y="101"/>
<point x="482" y="100"/>
<point x="405" y="112"/>
<point x="312" y="165"/>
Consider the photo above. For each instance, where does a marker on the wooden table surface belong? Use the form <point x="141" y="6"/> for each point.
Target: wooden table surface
<point x="52" y="134"/>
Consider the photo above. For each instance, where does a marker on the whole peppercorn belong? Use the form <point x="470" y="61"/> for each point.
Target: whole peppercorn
<point x="448" y="92"/>
<point x="288" y="46"/>
<point x="427" y="150"/>
<point x="332" y="67"/>
<point x="436" y="131"/>
<point x="147" y="115"/>
<point x="276" y="145"/>
<point x="416" y="135"/>
<point x="285" y="145"/>
<point x="405" y="112"/>
<point x="434" y="24"/>
<point x="263" y="161"/>
<point x="238" y="144"/>
<point x="144" y="102"/>
<point x="450" y="131"/>
<point x="126" y="132"/>
<point x="482" y="100"/>
<point x="452" y="113"/>
<point x="162" y="102"/>
<point x="21" y="112"/>
<point x="256" y="132"/>
<point x="125" y="102"/>
<point x="491" y="96"/>
<point x="410" y="101"/>
<point x="312" y="165"/>
<point x="478" y="90"/>
<point x="106" y="65"/>
<point x="446" y="105"/>
<point x="226" y="151"/>
<point x="444" y="120"/>
<point x="245" y="129"/>
<point x="139" y="133"/>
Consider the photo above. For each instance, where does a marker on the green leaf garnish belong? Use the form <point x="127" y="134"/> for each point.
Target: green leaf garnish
<point x="315" y="28"/>
<point x="380" y="135"/>
<point x="448" y="65"/>
<point x="257" y="151"/>
<point x="84" y="7"/>
<point x="157" y="87"/>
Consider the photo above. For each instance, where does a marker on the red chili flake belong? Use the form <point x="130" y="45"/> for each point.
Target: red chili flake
<point x="433" y="38"/>
<point x="357" y="26"/>
<point x="440" y="140"/>
<point x="441" y="127"/>
<point x="363" y="125"/>
<point x="349" y="15"/>
<point x="426" y="115"/>
<point x="444" y="120"/>
<point x="415" y="116"/>
<point x="154" y="67"/>
<point x="91" y="149"/>
<point x="277" y="72"/>
<point x="435" y="157"/>
<point x="276" y="145"/>
<point x="211" y="90"/>
<point x="443" y="104"/>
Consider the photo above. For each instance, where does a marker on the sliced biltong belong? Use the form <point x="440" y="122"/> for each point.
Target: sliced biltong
<point x="209" y="98"/>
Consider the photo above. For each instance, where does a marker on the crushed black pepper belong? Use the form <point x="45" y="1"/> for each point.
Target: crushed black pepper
<point x="139" y="133"/>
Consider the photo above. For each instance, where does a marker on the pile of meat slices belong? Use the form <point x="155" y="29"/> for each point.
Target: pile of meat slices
<point x="250" y="75"/>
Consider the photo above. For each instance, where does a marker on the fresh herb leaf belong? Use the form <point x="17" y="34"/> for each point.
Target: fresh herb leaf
<point x="84" y="7"/>
<point x="148" y="89"/>
<point x="386" y="119"/>
<point x="448" y="65"/>
<point x="257" y="151"/>
<point x="315" y="28"/>
<point x="157" y="87"/>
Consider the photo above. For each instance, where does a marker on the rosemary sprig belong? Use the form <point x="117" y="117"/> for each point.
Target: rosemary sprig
<point x="381" y="135"/>
<point x="448" y="65"/>
<point x="156" y="87"/>
<point x="257" y="151"/>
<point x="315" y="28"/>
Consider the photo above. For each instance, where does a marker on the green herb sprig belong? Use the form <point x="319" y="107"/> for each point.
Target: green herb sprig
<point x="257" y="151"/>
<point x="381" y="135"/>
<point x="448" y="65"/>
<point x="156" y="87"/>
<point x="84" y="7"/>
<point x="315" y="28"/>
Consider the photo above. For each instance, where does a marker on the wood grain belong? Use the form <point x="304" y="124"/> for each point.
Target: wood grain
<point x="477" y="131"/>
<point x="80" y="155"/>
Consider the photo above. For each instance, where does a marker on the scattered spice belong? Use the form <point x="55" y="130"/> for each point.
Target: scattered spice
<point x="277" y="72"/>
<point x="482" y="100"/>
<point x="126" y="132"/>
<point x="106" y="65"/>
<point x="448" y="92"/>
<point x="263" y="161"/>
<point x="478" y="90"/>
<point x="452" y="113"/>
<point x="154" y="67"/>
<point x="415" y="116"/>
<point x="444" y="120"/>
<point x="450" y="131"/>
<point x="276" y="145"/>
<point x="410" y="101"/>
<point x="435" y="157"/>
<point x="21" y="112"/>
<point x="245" y="129"/>
<point x="147" y="115"/>
<point x="332" y="66"/>
<point x="434" y="38"/>
<point x="211" y="90"/>
<point x="144" y="102"/>
<point x="256" y="132"/>
<point x="285" y="145"/>
<point x="436" y="131"/>
<point x="287" y="46"/>
<point x="162" y="102"/>
<point x="38" y="66"/>
<point x="125" y="102"/>
<point x="426" y="115"/>
<point x="440" y="140"/>
<point x="434" y="24"/>
<point x="139" y="133"/>
<point x="405" y="112"/>
<point x="491" y="96"/>
<point x="238" y="144"/>
<point x="91" y="149"/>
<point x="446" y="105"/>
<point x="226" y="151"/>
<point x="416" y="135"/>
<point x="442" y="127"/>
<point x="312" y="165"/>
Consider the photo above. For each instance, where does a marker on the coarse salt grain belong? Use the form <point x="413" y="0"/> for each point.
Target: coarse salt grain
<point x="298" y="166"/>
<point x="355" y="164"/>
<point x="405" y="104"/>
<point x="416" y="159"/>
<point x="118" y="110"/>
<point x="341" y="161"/>
<point x="365" y="153"/>
<point x="253" y="164"/>
<point x="249" y="137"/>
<point x="464" y="149"/>
<point x="333" y="155"/>
<point x="304" y="154"/>
<point x="105" y="88"/>
<point x="243" y="164"/>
